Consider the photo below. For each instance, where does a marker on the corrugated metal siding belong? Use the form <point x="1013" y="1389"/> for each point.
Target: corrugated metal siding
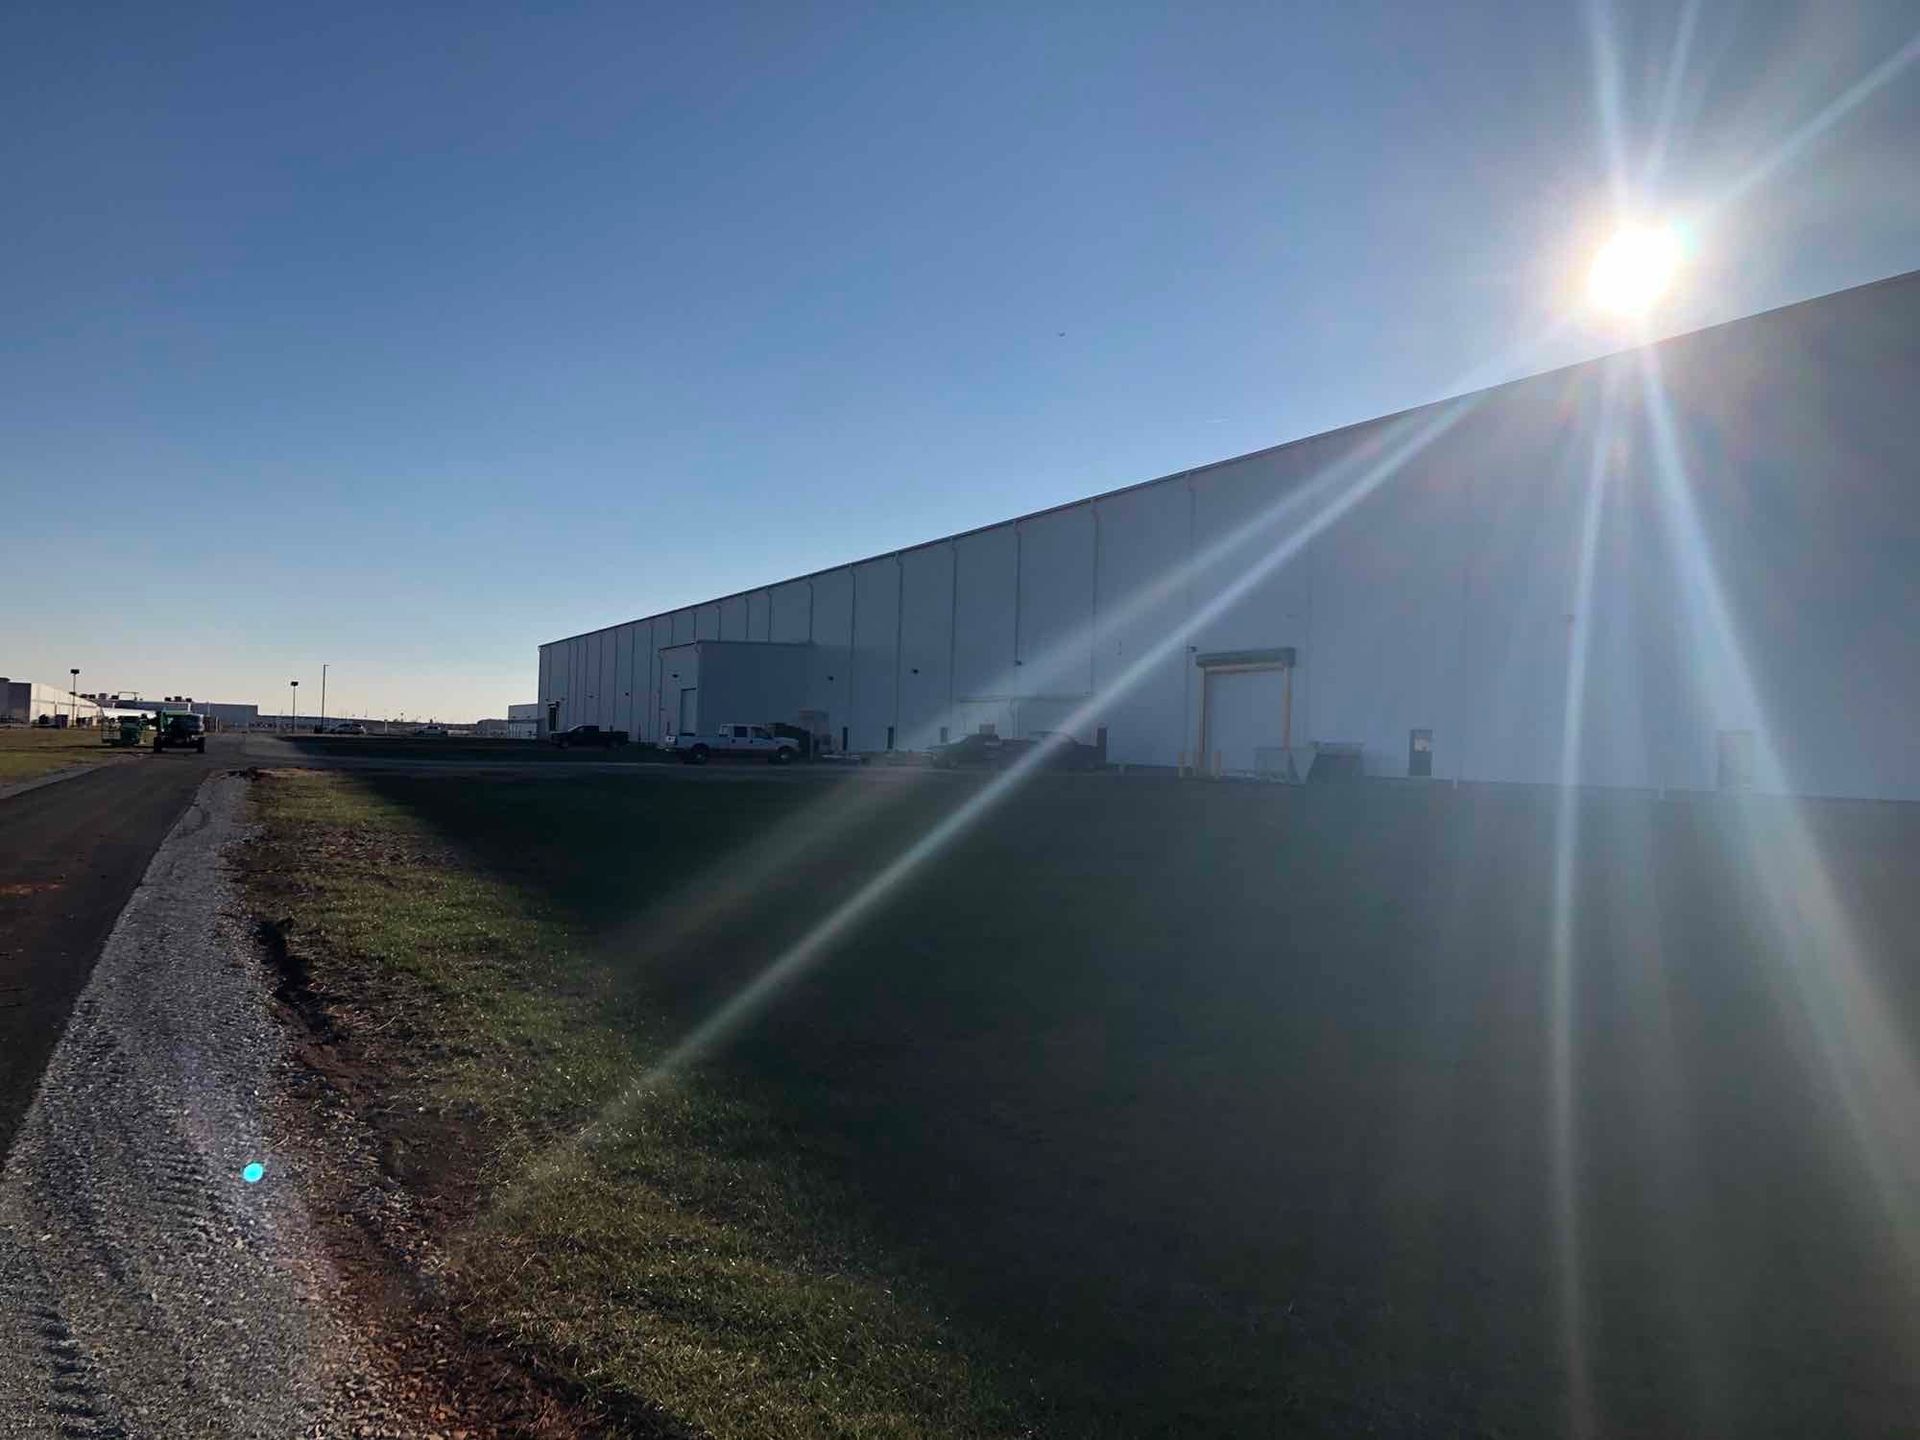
<point x="830" y="666"/>
<point x="876" y="639"/>
<point x="926" y="646"/>
<point x="986" y="613"/>
<point x="1144" y="543"/>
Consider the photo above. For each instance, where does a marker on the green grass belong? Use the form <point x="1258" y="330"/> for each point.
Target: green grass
<point x="29" y="751"/>
<point x="674" y="1256"/>
<point x="1147" y="1109"/>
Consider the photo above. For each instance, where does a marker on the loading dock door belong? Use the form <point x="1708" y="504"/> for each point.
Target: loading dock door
<point x="689" y="710"/>
<point x="1246" y="713"/>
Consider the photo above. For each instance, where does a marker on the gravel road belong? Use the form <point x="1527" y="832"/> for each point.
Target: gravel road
<point x="146" y="1288"/>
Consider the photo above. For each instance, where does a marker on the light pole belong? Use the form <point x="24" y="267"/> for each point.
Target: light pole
<point x="74" y="691"/>
<point x="293" y="707"/>
<point x="323" y="699"/>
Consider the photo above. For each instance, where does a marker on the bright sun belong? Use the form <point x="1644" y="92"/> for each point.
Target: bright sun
<point x="1634" y="269"/>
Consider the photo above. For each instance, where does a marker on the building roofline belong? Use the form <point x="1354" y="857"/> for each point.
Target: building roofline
<point x="1885" y="282"/>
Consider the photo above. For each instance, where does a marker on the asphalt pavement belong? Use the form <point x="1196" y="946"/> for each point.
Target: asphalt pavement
<point x="70" y="856"/>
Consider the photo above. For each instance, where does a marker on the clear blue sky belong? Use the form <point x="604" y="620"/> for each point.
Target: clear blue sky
<point x="405" y="337"/>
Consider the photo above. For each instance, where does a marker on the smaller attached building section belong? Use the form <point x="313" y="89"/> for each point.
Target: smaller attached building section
<point x="705" y="683"/>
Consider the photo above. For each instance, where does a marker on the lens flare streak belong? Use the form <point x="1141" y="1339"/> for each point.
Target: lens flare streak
<point x="1561" y="989"/>
<point x="1826" y="977"/>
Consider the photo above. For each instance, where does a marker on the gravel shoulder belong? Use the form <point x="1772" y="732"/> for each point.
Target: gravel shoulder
<point x="146" y="1288"/>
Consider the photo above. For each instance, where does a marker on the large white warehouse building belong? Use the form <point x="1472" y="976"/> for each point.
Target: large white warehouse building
<point x="1686" y="566"/>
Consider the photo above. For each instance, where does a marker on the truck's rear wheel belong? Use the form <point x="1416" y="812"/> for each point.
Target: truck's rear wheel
<point x="698" y="755"/>
<point x="780" y="756"/>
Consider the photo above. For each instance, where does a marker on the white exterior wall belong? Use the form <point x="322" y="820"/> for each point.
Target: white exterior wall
<point x="926" y="647"/>
<point x="623" y="679"/>
<point x="27" y="701"/>
<point x="830" y="662"/>
<point x="876" y="651"/>
<point x="1144" y="544"/>
<point x="1053" y="670"/>
<point x="986" y="599"/>
<point x="749" y="684"/>
<point x="1773" y="589"/>
<point x="792" y="621"/>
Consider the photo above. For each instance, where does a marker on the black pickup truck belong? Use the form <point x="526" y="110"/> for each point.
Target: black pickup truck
<point x="589" y="737"/>
<point x="178" y="730"/>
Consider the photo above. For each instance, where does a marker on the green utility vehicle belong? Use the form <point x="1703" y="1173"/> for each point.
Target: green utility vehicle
<point x="127" y="730"/>
<point x="180" y="730"/>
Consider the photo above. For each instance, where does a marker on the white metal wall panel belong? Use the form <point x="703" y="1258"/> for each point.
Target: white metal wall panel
<point x="609" y="677"/>
<point x="926" y="647"/>
<point x="1384" y="653"/>
<point x="1140" y="660"/>
<point x="623" y="679"/>
<point x="1056" y="609"/>
<point x="876" y="637"/>
<point x="830" y="670"/>
<point x="683" y="626"/>
<point x="759" y="615"/>
<point x="986" y="582"/>
<point x="1519" y="541"/>
<point x="1797" y="433"/>
<point x="579" y="691"/>
<point x="661" y="637"/>
<point x="1644" y="722"/>
<point x="606" y="669"/>
<point x="680" y="679"/>
<point x="792" y="612"/>
<point x="733" y="618"/>
<point x="583" y="696"/>
<point x="575" y="663"/>
<point x="751" y="684"/>
<point x="1250" y="583"/>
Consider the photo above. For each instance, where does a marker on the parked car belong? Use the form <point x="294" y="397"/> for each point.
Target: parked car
<point x="987" y="751"/>
<point x="179" y="730"/>
<point x="982" y="750"/>
<point x="430" y="732"/>
<point x="1062" y="752"/>
<point x="589" y="737"/>
<point x="746" y="742"/>
<point x="350" y="727"/>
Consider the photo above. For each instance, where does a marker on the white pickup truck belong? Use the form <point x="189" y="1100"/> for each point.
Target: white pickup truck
<point x="748" y="742"/>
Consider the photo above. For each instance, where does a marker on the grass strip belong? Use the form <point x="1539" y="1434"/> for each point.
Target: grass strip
<point x="688" y="1256"/>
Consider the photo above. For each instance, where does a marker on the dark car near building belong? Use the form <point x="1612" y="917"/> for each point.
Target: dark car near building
<point x="987" y="751"/>
<point x="589" y="737"/>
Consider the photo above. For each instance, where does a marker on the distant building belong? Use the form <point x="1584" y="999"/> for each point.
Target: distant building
<point x="24" y="702"/>
<point x="522" y="723"/>
<point x="225" y="715"/>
